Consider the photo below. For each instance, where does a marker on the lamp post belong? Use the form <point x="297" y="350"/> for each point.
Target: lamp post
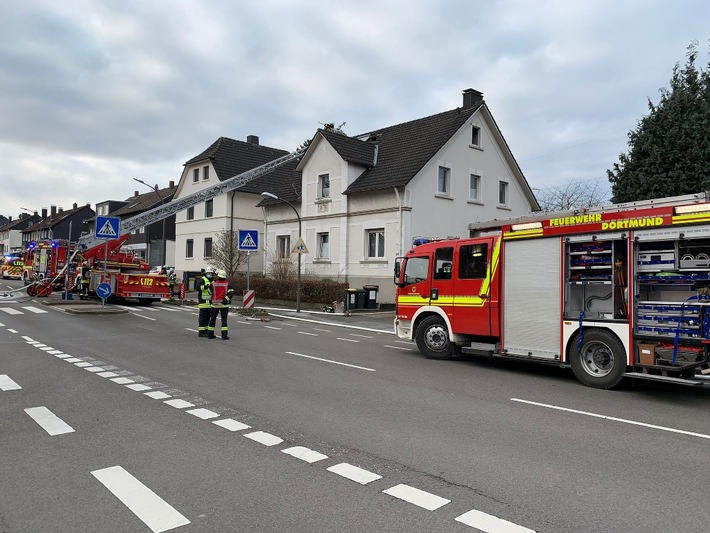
<point x="298" y="274"/>
<point x="162" y="240"/>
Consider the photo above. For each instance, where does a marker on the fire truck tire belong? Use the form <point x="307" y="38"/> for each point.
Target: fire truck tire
<point x="433" y="339"/>
<point x="601" y="361"/>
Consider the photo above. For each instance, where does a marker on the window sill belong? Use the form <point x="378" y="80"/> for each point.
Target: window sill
<point x="475" y="202"/>
<point x="504" y="207"/>
<point x="476" y="147"/>
<point x="323" y="200"/>
<point x="443" y="196"/>
<point x="374" y="261"/>
<point x="321" y="260"/>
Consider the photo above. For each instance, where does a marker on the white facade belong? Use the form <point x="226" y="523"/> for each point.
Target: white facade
<point x="354" y="224"/>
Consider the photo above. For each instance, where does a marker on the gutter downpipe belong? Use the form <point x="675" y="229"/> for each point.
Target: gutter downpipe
<point x="266" y="236"/>
<point x="401" y="229"/>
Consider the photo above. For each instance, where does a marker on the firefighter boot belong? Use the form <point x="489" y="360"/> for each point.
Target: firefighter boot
<point x="211" y="335"/>
<point x="225" y="336"/>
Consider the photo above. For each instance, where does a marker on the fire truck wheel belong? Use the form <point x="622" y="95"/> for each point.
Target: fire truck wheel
<point x="433" y="339"/>
<point x="601" y="361"/>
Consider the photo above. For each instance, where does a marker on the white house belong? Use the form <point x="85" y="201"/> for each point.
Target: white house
<point x="363" y="199"/>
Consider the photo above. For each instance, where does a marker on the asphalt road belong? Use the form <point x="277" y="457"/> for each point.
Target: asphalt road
<point x="464" y="445"/>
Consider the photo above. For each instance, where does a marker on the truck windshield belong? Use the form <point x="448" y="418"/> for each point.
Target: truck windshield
<point x="415" y="270"/>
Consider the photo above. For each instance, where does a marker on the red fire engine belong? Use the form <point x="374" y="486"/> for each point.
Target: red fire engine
<point x="44" y="260"/>
<point x="613" y="292"/>
<point x="11" y="266"/>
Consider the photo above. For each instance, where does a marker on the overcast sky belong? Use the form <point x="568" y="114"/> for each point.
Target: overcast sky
<point x="95" y="92"/>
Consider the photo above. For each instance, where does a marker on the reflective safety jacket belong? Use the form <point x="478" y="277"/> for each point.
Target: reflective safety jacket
<point x="221" y="293"/>
<point x="203" y="293"/>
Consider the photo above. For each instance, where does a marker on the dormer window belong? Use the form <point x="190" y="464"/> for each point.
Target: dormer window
<point x="324" y="186"/>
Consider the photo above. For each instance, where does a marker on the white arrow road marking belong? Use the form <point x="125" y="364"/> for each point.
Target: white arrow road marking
<point x="8" y="384"/>
<point x="50" y="422"/>
<point x="428" y="501"/>
<point x="155" y="512"/>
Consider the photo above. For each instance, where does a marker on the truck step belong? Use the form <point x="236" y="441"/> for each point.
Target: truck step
<point x="478" y="348"/>
<point x="667" y="379"/>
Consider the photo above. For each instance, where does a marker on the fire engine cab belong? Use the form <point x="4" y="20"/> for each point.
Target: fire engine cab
<point x="611" y="292"/>
<point x="11" y="266"/>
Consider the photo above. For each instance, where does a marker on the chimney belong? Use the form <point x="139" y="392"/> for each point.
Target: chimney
<point x="44" y="212"/>
<point x="471" y="97"/>
<point x="74" y="206"/>
<point x="135" y="193"/>
<point x="253" y="139"/>
<point x="60" y="210"/>
<point x="53" y="209"/>
<point x="172" y="184"/>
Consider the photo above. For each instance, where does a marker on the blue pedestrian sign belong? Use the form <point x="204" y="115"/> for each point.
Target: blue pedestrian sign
<point x="248" y="240"/>
<point x="108" y="227"/>
<point x="103" y="291"/>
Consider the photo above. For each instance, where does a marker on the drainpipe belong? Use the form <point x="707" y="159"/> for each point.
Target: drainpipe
<point x="266" y="236"/>
<point x="401" y="229"/>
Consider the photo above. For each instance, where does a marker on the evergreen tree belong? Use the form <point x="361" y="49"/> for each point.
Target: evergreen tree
<point x="669" y="151"/>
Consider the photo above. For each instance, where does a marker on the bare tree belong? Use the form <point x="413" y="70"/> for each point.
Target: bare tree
<point x="573" y="194"/>
<point x="282" y="269"/>
<point x="226" y="254"/>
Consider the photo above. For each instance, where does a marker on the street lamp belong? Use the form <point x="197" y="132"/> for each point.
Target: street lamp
<point x="298" y="274"/>
<point x="163" y="252"/>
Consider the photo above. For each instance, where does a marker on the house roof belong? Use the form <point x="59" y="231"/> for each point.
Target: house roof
<point x="230" y="157"/>
<point x="405" y="148"/>
<point x="52" y="220"/>
<point x="143" y="202"/>
<point x="13" y="224"/>
<point x="351" y="149"/>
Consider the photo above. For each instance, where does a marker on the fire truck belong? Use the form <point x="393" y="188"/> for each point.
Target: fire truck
<point x="44" y="260"/>
<point x="614" y="292"/>
<point x="11" y="266"/>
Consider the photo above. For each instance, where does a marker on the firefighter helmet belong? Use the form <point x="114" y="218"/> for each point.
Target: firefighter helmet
<point x="221" y="274"/>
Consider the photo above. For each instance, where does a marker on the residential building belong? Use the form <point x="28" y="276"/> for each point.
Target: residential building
<point x="11" y="232"/>
<point x="362" y="199"/>
<point x="198" y="229"/>
<point x="67" y="224"/>
<point x="154" y="243"/>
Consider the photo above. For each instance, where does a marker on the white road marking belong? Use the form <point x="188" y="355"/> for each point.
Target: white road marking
<point x="143" y="316"/>
<point x="6" y="383"/>
<point x="155" y="512"/>
<point x="28" y="339"/>
<point x="157" y="395"/>
<point x="290" y="325"/>
<point x="243" y="322"/>
<point x="2" y="325"/>
<point x="35" y="310"/>
<point x="62" y="355"/>
<point x="399" y="348"/>
<point x="10" y="311"/>
<point x="304" y="454"/>
<point x="38" y="345"/>
<point x="324" y="330"/>
<point x="490" y="523"/>
<point x="94" y="369"/>
<point x="73" y="360"/>
<point x="329" y="361"/>
<point x="346" y="340"/>
<point x="47" y="349"/>
<point x="139" y="387"/>
<point x="54" y="352"/>
<point x="267" y="439"/>
<point x="12" y="330"/>
<point x="204" y="414"/>
<point x="428" y="501"/>
<point x="83" y="364"/>
<point x="364" y="336"/>
<point x="272" y="327"/>
<point x="231" y="424"/>
<point x="191" y="329"/>
<point x="354" y="473"/>
<point x="615" y="419"/>
<point x="306" y="333"/>
<point x="107" y="374"/>
<point x="361" y="328"/>
<point x="122" y="381"/>
<point x="179" y="404"/>
<point x="166" y="309"/>
<point x="404" y="342"/>
<point x="50" y="422"/>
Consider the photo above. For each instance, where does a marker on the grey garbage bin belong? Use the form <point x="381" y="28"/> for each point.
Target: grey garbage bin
<point x="361" y="298"/>
<point x="351" y="299"/>
<point x="371" y="296"/>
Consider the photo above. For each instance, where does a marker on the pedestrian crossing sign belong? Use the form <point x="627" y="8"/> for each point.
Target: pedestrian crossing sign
<point x="248" y="240"/>
<point x="108" y="227"/>
<point x="299" y="247"/>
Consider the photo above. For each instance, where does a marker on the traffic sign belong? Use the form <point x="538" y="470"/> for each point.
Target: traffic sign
<point x="299" y="247"/>
<point x="248" y="240"/>
<point x="103" y="291"/>
<point x="108" y="227"/>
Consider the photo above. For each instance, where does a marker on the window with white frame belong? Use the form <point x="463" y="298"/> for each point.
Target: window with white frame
<point x="324" y="186"/>
<point x="503" y="193"/>
<point x="188" y="248"/>
<point x="475" y="136"/>
<point x="195" y="175"/>
<point x="141" y="229"/>
<point x="208" y="247"/>
<point x="191" y="213"/>
<point x="205" y="173"/>
<point x="209" y="208"/>
<point x="283" y="246"/>
<point x="323" y="240"/>
<point x="443" y="183"/>
<point x="474" y="187"/>
<point x="375" y="243"/>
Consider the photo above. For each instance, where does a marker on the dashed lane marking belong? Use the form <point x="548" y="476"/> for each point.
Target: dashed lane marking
<point x="272" y="327"/>
<point x="490" y="523"/>
<point x="231" y="424"/>
<point x="329" y="361"/>
<point x="417" y="497"/>
<point x="29" y="340"/>
<point x="305" y="454"/>
<point x="179" y="404"/>
<point x="363" y="336"/>
<point x="155" y="512"/>
<point x="138" y="387"/>
<point x="35" y="310"/>
<point x="143" y="316"/>
<point x="48" y="421"/>
<point x="47" y="349"/>
<point x="54" y="352"/>
<point x="157" y="395"/>
<point x="307" y="333"/>
<point x="354" y="473"/>
<point x="94" y="369"/>
<point x="122" y="381"/>
<point x="73" y="360"/>
<point x="107" y="374"/>
<point x="204" y="414"/>
<point x="6" y="383"/>
<point x="83" y="364"/>
<point x="324" y="330"/>
<point x="267" y="439"/>
<point x="12" y="330"/>
<point x="399" y="348"/>
<point x="346" y="340"/>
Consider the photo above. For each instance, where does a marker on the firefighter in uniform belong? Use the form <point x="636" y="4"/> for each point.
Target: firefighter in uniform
<point x="221" y="298"/>
<point x="204" y="302"/>
<point x="84" y="282"/>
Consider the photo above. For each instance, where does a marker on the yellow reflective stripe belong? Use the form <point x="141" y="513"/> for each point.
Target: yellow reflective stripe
<point x="690" y="218"/>
<point x="495" y="257"/>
